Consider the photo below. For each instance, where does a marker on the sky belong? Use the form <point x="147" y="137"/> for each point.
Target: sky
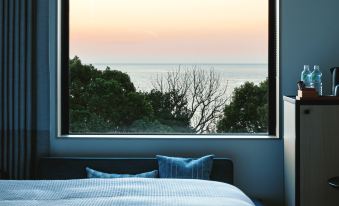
<point x="169" y="31"/>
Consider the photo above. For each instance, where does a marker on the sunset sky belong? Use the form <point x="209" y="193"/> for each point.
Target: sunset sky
<point x="169" y="31"/>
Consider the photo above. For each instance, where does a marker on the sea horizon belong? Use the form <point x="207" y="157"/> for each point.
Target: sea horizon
<point x="232" y="75"/>
<point x="169" y="63"/>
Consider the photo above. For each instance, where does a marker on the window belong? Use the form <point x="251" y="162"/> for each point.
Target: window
<point x="168" y="67"/>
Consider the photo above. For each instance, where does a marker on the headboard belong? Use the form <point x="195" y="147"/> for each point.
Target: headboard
<point x="74" y="167"/>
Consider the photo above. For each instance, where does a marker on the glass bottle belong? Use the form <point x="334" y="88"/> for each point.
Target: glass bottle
<point x="305" y="75"/>
<point x="316" y="80"/>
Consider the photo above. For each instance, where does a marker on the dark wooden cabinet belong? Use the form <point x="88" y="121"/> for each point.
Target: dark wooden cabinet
<point x="311" y="151"/>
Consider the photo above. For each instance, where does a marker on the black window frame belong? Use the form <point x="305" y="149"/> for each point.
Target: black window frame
<point x="272" y="68"/>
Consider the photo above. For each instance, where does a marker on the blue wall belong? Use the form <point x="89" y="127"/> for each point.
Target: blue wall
<point x="309" y="35"/>
<point x="309" y="30"/>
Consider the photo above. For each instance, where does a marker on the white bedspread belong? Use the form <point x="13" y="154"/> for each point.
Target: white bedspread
<point x="121" y="192"/>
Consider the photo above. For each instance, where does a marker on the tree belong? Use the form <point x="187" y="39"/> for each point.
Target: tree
<point x="248" y="110"/>
<point x="103" y="100"/>
<point x="197" y="93"/>
<point x="170" y="108"/>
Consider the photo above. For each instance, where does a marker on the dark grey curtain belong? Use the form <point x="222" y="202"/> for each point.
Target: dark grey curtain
<point x="17" y="65"/>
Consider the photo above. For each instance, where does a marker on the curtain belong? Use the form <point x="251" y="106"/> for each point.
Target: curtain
<point x="17" y="104"/>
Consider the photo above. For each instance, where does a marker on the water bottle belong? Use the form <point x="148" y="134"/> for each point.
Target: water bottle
<point x="305" y="75"/>
<point x="316" y="80"/>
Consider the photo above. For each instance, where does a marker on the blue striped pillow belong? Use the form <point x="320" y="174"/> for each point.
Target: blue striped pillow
<point x="91" y="173"/>
<point x="185" y="168"/>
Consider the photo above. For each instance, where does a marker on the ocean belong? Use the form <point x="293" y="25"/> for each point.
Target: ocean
<point x="232" y="75"/>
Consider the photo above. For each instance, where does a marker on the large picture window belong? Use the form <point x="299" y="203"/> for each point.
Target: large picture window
<point x="168" y="67"/>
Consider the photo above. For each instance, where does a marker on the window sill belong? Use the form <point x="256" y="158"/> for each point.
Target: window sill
<point x="174" y="137"/>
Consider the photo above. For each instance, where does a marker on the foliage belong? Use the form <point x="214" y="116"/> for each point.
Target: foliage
<point x="248" y="110"/>
<point x="85" y="121"/>
<point x="170" y="108"/>
<point x="148" y="126"/>
<point x="103" y="100"/>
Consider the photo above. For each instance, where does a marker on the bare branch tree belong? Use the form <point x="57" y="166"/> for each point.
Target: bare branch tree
<point x="202" y="89"/>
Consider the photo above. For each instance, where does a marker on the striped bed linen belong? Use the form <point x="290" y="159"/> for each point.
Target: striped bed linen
<point x="121" y="192"/>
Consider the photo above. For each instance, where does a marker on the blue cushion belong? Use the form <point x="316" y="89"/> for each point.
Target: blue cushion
<point x="91" y="173"/>
<point x="185" y="168"/>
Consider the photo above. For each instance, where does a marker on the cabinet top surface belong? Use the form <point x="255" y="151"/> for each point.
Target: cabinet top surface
<point x="322" y="100"/>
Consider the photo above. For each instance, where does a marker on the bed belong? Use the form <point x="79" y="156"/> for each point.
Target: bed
<point x="62" y="182"/>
